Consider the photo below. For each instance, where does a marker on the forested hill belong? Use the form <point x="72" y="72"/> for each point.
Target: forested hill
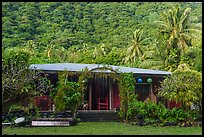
<point x="153" y="35"/>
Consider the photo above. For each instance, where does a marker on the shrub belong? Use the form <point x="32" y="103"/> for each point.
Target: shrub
<point x="184" y="86"/>
<point x="68" y="95"/>
<point x="159" y="114"/>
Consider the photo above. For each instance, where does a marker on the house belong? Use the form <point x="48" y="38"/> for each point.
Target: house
<point x="102" y="89"/>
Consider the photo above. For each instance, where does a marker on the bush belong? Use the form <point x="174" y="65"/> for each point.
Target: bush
<point x="185" y="86"/>
<point x="60" y="104"/>
<point x="68" y="97"/>
<point x="158" y="114"/>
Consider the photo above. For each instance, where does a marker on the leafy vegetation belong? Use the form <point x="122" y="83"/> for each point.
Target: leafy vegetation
<point x="179" y="30"/>
<point x="184" y="86"/>
<point x="132" y="34"/>
<point x="127" y="95"/>
<point x="68" y="96"/>
<point x="159" y="115"/>
<point x="18" y="81"/>
<point x="162" y="36"/>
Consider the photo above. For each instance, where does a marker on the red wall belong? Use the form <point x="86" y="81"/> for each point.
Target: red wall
<point x="43" y="102"/>
<point x="116" y="98"/>
<point x="173" y="104"/>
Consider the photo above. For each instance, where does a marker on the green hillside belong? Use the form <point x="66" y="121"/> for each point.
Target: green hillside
<point x="154" y="35"/>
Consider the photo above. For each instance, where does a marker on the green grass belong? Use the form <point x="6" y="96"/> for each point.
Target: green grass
<point x="103" y="128"/>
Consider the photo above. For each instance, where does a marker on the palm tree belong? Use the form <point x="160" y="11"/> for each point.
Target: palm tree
<point x="154" y="57"/>
<point x="180" y="30"/>
<point x="135" y="51"/>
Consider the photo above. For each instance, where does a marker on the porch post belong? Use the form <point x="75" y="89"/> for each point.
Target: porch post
<point x="90" y="96"/>
<point x="110" y="95"/>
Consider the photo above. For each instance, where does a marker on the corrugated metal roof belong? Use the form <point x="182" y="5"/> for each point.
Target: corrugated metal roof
<point x="79" y="67"/>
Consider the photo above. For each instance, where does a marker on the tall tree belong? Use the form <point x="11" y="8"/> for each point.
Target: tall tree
<point x="134" y="51"/>
<point x="177" y="27"/>
<point x="17" y="78"/>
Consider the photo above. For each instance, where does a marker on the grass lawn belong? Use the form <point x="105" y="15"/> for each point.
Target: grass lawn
<point x="103" y="128"/>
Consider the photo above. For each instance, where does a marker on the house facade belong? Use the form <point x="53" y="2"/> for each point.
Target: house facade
<point x="103" y="93"/>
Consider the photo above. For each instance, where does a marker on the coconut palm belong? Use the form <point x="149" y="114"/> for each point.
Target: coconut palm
<point x="135" y="51"/>
<point x="180" y="29"/>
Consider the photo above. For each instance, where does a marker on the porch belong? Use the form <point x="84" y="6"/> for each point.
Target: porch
<point x="101" y="94"/>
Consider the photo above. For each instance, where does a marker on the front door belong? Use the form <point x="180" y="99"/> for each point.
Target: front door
<point x="100" y="91"/>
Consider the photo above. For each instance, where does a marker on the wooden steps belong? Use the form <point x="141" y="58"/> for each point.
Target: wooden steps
<point x="98" y="115"/>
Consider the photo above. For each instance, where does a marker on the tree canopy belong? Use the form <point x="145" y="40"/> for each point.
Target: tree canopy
<point x="106" y="33"/>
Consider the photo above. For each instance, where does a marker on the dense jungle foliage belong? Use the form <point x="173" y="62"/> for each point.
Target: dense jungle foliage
<point x="153" y="35"/>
